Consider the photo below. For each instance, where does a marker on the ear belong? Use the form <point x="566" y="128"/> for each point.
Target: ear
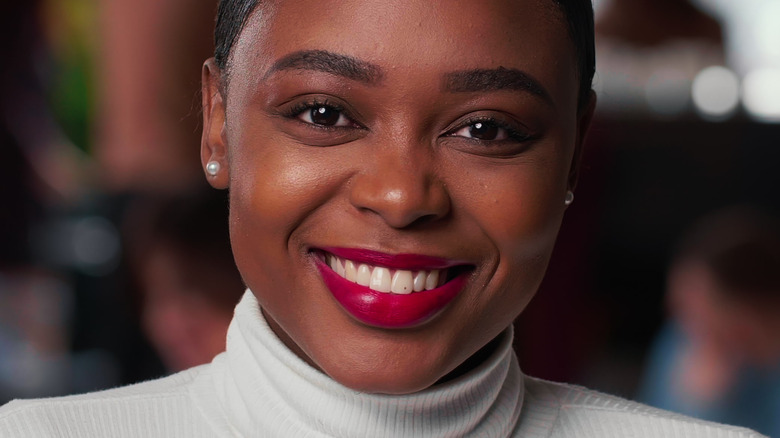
<point x="213" y="144"/>
<point x="583" y="124"/>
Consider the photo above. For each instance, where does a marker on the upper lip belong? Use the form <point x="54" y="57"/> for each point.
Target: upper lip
<point x="405" y="261"/>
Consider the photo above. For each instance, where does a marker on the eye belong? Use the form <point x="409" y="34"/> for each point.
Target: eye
<point x="489" y="130"/>
<point x="483" y="130"/>
<point x="317" y="120"/>
<point x="324" y="115"/>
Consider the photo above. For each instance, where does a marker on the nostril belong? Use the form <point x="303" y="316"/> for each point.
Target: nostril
<point x="424" y="220"/>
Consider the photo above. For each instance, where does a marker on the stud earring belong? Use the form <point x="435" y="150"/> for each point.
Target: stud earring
<point x="212" y="168"/>
<point x="569" y="198"/>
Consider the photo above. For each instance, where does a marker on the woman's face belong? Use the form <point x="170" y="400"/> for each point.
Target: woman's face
<point x="412" y="137"/>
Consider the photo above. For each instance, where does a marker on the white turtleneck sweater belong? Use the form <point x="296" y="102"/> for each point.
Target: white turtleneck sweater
<point x="259" y="388"/>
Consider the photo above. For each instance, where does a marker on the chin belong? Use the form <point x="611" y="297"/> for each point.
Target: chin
<point x="391" y="362"/>
<point x="385" y="381"/>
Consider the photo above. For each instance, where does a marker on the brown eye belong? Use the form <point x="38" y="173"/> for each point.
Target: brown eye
<point x="324" y="115"/>
<point x="484" y="131"/>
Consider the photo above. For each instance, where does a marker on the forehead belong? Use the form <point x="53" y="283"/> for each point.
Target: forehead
<point x="417" y="36"/>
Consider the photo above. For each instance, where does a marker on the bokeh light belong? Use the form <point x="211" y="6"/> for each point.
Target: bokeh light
<point x="715" y="93"/>
<point x="761" y="94"/>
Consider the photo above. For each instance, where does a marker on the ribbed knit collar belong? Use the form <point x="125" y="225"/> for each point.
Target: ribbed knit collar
<point x="268" y="391"/>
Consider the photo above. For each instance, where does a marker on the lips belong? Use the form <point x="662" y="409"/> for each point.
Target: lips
<point x="390" y="291"/>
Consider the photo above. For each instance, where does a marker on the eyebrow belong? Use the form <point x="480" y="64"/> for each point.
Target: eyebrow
<point x="329" y="62"/>
<point x="501" y="78"/>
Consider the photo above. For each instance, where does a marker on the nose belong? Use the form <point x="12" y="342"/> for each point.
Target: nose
<point x="402" y="188"/>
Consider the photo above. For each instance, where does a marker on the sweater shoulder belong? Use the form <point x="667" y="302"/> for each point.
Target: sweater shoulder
<point x="151" y="406"/>
<point x="583" y="412"/>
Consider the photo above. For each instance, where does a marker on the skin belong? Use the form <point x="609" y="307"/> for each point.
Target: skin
<point x="405" y="178"/>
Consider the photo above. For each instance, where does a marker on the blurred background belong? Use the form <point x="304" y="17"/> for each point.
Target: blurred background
<point x="663" y="287"/>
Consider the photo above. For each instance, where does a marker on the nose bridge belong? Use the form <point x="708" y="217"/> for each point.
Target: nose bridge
<point x="399" y="182"/>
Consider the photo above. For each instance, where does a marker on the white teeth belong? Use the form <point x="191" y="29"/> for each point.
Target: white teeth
<point x="363" y="275"/>
<point x="380" y="279"/>
<point x="419" y="281"/>
<point x="384" y="280"/>
<point x="433" y="280"/>
<point x="350" y="271"/>
<point x="336" y="265"/>
<point x="402" y="282"/>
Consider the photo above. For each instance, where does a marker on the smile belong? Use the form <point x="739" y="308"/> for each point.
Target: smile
<point x="382" y="279"/>
<point x="390" y="291"/>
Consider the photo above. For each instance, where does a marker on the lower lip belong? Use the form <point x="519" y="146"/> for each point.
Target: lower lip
<point x="388" y="310"/>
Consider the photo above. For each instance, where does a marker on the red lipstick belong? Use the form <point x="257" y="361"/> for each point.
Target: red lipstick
<point x="389" y="310"/>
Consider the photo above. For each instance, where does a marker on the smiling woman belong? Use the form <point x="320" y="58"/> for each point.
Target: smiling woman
<point x="396" y="157"/>
<point x="397" y="172"/>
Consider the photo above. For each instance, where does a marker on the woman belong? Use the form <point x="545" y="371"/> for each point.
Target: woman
<point x="398" y="172"/>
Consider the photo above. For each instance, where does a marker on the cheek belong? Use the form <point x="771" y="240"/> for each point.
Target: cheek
<point x="520" y="209"/>
<point x="275" y="186"/>
<point x="269" y="186"/>
<point x="527" y="223"/>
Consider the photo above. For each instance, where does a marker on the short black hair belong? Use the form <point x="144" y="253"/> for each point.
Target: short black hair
<point x="232" y="15"/>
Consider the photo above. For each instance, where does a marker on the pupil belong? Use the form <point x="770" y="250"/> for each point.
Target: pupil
<point x="324" y="115"/>
<point x="484" y="131"/>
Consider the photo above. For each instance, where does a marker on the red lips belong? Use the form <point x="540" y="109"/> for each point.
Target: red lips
<point x="388" y="310"/>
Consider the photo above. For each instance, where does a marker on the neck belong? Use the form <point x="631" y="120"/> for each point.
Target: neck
<point x="473" y="361"/>
<point x="271" y="389"/>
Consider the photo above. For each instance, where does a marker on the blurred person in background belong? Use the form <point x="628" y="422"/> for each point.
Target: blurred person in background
<point x="718" y="358"/>
<point x="179" y="251"/>
<point x="145" y="134"/>
<point x="144" y="138"/>
<point x="65" y="319"/>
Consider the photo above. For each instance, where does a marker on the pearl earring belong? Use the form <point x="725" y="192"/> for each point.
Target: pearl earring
<point x="569" y="198"/>
<point x="212" y="168"/>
